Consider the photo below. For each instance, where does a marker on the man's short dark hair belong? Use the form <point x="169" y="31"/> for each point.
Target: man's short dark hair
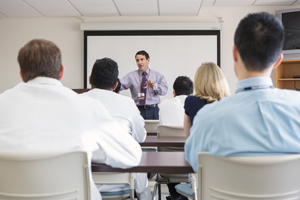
<point x="117" y="89"/>
<point x="40" y="57"/>
<point x="259" y="40"/>
<point x="142" y="52"/>
<point x="183" y="85"/>
<point x="104" y="73"/>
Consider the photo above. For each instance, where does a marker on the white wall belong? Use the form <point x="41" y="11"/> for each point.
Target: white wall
<point x="65" y="32"/>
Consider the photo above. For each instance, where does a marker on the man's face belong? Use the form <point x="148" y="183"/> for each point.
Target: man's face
<point x="142" y="62"/>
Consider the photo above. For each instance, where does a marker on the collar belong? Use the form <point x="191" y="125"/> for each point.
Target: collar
<point x="140" y="72"/>
<point x="45" y="81"/>
<point x="257" y="81"/>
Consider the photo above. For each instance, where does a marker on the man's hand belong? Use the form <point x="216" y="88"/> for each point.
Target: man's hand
<point x="149" y="84"/>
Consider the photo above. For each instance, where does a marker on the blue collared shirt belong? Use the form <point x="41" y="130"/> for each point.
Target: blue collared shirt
<point x="251" y="122"/>
<point x="133" y="80"/>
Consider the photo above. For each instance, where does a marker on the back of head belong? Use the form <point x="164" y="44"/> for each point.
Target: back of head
<point x="39" y="57"/>
<point x="210" y="83"/>
<point x="259" y="39"/>
<point x="142" y="52"/>
<point x="104" y="74"/>
<point x="183" y="85"/>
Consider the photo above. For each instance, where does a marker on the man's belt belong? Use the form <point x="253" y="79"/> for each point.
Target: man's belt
<point x="148" y="106"/>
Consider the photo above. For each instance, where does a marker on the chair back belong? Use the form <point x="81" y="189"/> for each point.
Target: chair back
<point x="44" y="175"/>
<point x="151" y="124"/>
<point x="270" y="177"/>
<point x="170" y="131"/>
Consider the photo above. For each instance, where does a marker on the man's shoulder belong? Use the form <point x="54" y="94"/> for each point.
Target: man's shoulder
<point x="155" y="72"/>
<point x="219" y="109"/>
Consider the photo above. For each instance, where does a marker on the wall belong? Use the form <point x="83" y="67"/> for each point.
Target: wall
<point x="65" y="32"/>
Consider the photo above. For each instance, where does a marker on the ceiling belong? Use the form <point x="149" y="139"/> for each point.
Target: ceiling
<point x="107" y="8"/>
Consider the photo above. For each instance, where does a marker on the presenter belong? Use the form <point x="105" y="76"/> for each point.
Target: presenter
<point x="145" y="86"/>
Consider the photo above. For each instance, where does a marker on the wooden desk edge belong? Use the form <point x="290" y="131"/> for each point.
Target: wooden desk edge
<point x="163" y="169"/>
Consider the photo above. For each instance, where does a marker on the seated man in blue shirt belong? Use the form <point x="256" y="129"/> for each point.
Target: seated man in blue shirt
<point x="258" y="119"/>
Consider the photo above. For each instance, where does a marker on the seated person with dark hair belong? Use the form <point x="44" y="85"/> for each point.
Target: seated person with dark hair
<point x="258" y="119"/>
<point x="171" y="111"/>
<point x="40" y="114"/>
<point x="104" y="79"/>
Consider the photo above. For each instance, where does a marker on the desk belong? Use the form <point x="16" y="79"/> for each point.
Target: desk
<point x="152" y="133"/>
<point x="163" y="141"/>
<point x="154" y="162"/>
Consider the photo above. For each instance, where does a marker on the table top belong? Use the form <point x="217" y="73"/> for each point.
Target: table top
<point x="153" y="162"/>
<point x="163" y="141"/>
<point x="152" y="133"/>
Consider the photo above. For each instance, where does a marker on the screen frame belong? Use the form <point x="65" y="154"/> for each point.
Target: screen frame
<point x="149" y="33"/>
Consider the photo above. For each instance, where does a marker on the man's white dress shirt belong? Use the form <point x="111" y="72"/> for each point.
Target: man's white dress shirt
<point x="126" y="113"/>
<point x="123" y="109"/>
<point x="42" y="114"/>
<point x="171" y="111"/>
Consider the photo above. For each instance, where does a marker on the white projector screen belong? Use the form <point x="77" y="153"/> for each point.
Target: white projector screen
<point x="172" y="53"/>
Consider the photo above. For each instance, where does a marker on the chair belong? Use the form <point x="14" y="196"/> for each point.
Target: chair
<point x="167" y="131"/>
<point x="249" y="177"/>
<point x="115" y="178"/>
<point x="188" y="190"/>
<point x="44" y="175"/>
<point x="151" y="125"/>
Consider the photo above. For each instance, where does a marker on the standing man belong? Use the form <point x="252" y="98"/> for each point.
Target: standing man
<point x="258" y="119"/>
<point x="145" y="86"/>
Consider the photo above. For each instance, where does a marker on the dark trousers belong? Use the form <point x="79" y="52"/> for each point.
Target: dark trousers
<point x="149" y="112"/>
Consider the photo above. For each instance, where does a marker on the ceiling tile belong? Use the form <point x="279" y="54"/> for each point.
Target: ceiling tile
<point x="35" y="3"/>
<point x="98" y="11"/>
<point x="20" y="11"/>
<point x="92" y="2"/>
<point x="137" y="7"/>
<point x="234" y="2"/>
<point x="208" y="2"/>
<point x="296" y="3"/>
<point x="179" y="10"/>
<point x="2" y="16"/>
<point x="6" y="3"/>
<point x="58" y="11"/>
<point x="179" y="2"/>
<point x="274" y="2"/>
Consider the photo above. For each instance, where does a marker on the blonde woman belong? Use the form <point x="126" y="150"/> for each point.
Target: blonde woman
<point x="210" y="86"/>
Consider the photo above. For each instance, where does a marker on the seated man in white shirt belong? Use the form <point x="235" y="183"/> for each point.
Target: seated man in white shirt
<point x="104" y="79"/>
<point x="41" y="114"/>
<point x="171" y="111"/>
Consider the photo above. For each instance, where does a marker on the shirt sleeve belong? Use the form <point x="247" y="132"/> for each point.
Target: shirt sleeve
<point x="125" y="82"/>
<point x="195" y="143"/>
<point x="114" y="146"/>
<point x="138" y="123"/>
<point x="161" y="86"/>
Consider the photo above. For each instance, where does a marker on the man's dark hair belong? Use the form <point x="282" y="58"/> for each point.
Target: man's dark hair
<point x="259" y="40"/>
<point x="40" y="57"/>
<point x="117" y="89"/>
<point x="142" y="52"/>
<point x="104" y="74"/>
<point x="183" y="85"/>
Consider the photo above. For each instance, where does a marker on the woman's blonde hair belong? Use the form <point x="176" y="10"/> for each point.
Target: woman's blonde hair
<point x="209" y="83"/>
